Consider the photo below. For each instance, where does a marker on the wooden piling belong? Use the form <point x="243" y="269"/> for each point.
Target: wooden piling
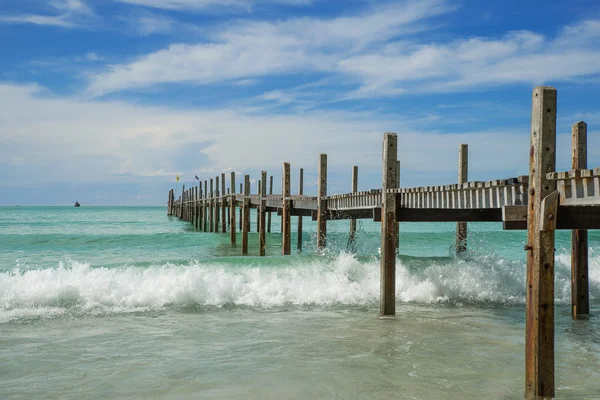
<point x="246" y="216"/>
<point x="388" y="227"/>
<point x="195" y="208"/>
<point x="258" y="192"/>
<point x="463" y="174"/>
<point x="322" y="203"/>
<point x="241" y="209"/>
<point x="286" y="214"/>
<point x="216" y="204"/>
<point x="232" y="225"/>
<point x="270" y="192"/>
<point x="200" y="206"/>
<point x="397" y="228"/>
<point x="223" y="206"/>
<point x="205" y="208"/>
<point x="539" y="343"/>
<point x="261" y="212"/>
<point x="300" y="192"/>
<point x="580" y="303"/>
<point x="182" y="200"/>
<point x="211" y="214"/>
<point x="354" y="190"/>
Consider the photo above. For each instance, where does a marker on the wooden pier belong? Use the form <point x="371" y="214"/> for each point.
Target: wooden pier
<point x="540" y="202"/>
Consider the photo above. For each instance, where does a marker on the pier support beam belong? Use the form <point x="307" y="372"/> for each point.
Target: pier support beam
<point x="216" y="203"/>
<point x="182" y="201"/>
<point x="287" y="212"/>
<point x="205" y="208"/>
<point x="354" y="190"/>
<point x="539" y="342"/>
<point x="262" y="210"/>
<point x="242" y="209"/>
<point x="463" y="175"/>
<point x="388" y="227"/>
<point x="397" y="228"/>
<point x="258" y="209"/>
<point x="195" y="208"/>
<point x="322" y="203"/>
<point x="211" y="214"/>
<point x="300" y="192"/>
<point x="269" y="216"/>
<point x="246" y="214"/>
<point x="580" y="291"/>
<point x="232" y="225"/>
<point x="223" y="206"/>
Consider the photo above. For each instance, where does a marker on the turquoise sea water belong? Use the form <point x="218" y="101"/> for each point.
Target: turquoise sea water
<point x="129" y="303"/>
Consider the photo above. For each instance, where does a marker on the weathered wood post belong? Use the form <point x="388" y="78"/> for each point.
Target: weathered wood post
<point x="195" y="208"/>
<point x="286" y="212"/>
<point x="397" y="229"/>
<point x="322" y="203"/>
<point x="169" y="202"/>
<point x="354" y="190"/>
<point x="223" y="206"/>
<point x="258" y="192"/>
<point x="300" y="192"/>
<point x="262" y="208"/>
<point x="246" y="209"/>
<point x="270" y="193"/>
<point x="182" y="199"/>
<point x="216" y="203"/>
<point x="579" y="238"/>
<point x="200" y="206"/>
<point x="205" y="208"/>
<point x="211" y="214"/>
<point x="241" y="208"/>
<point x="539" y="343"/>
<point x="232" y="225"/>
<point x="388" y="226"/>
<point x="463" y="176"/>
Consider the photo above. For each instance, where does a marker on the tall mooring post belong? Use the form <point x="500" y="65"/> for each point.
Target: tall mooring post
<point x="580" y="290"/>
<point x="242" y="209"/>
<point x="541" y="222"/>
<point x="269" y="216"/>
<point x="216" y="204"/>
<point x="232" y="226"/>
<point x="354" y="190"/>
<point x="211" y="214"/>
<point x="322" y="203"/>
<point x="223" y="206"/>
<point x="300" y="192"/>
<point x="287" y="212"/>
<point x="262" y="211"/>
<point x="182" y="200"/>
<point x="246" y="214"/>
<point x="397" y="228"/>
<point x="388" y="227"/>
<point x="205" y="208"/>
<point x="463" y="175"/>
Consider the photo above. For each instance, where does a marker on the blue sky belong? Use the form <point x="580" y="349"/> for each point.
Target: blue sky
<point x="105" y="101"/>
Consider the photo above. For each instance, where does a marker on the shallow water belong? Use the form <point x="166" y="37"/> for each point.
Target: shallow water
<point x="129" y="303"/>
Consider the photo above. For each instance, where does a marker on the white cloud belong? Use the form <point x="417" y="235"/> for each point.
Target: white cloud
<point x="198" y="5"/>
<point x="68" y="14"/>
<point x="255" y="49"/>
<point x="376" y="51"/>
<point x="74" y="140"/>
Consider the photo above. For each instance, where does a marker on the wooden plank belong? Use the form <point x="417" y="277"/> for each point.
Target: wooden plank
<point x="354" y="190"/>
<point x="539" y="343"/>
<point x="246" y="214"/>
<point x="322" y="203"/>
<point x="463" y="176"/>
<point x="568" y="217"/>
<point x="223" y="206"/>
<point x="548" y="212"/>
<point x="388" y="225"/>
<point x="580" y="292"/>
<point x="262" y="214"/>
<point x="300" y="192"/>
<point x="232" y="224"/>
<point x="270" y="193"/>
<point x="286" y="215"/>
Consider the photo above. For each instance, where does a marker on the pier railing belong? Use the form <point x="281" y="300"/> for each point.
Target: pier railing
<point x="541" y="202"/>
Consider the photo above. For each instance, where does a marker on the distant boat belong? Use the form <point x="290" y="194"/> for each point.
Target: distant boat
<point x="77" y="204"/>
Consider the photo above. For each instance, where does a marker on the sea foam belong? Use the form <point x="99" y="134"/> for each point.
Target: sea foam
<point x="317" y="281"/>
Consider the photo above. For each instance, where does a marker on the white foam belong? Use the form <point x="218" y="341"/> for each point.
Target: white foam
<point x="321" y="281"/>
